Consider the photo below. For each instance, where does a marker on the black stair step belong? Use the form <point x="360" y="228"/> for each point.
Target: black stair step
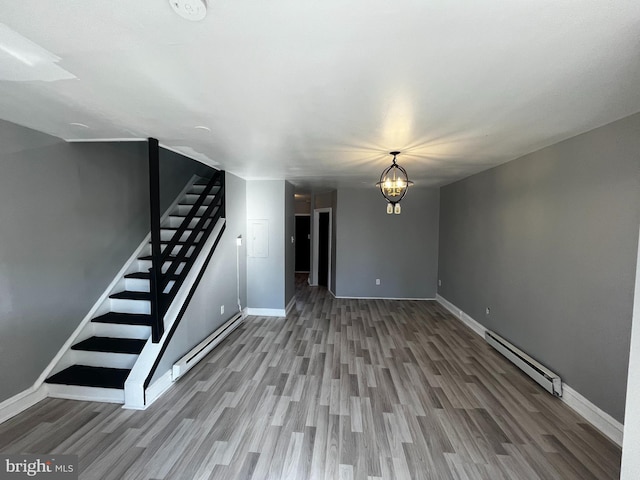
<point x="166" y="242"/>
<point x="170" y="258"/>
<point x="86" y="376"/>
<point x="144" y="275"/>
<point x="211" y="194"/>
<point x="130" y="295"/>
<point x="175" y="229"/>
<point x="124" y="318"/>
<point x="111" y="345"/>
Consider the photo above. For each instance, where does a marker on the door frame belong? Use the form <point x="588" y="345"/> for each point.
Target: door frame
<point x="315" y="246"/>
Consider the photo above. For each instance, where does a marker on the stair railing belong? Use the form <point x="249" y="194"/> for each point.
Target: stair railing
<point x="162" y="291"/>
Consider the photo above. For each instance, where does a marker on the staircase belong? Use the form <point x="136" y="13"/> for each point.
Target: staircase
<point x="98" y="363"/>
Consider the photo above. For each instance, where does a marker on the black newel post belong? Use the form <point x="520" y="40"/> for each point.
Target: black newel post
<point x="155" y="273"/>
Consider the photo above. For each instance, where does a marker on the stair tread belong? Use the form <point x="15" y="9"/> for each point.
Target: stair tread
<point x="131" y="295"/>
<point x="124" y="318"/>
<point x="143" y="275"/>
<point x="111" y="345"/>
<point x="86" y="376"/>
<point x="168" y="259"/>
<point x="176" y="228"/>
<point x="166" y="242"/>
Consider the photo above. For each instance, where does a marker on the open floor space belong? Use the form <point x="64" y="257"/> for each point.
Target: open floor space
<point x="361" y="389"/>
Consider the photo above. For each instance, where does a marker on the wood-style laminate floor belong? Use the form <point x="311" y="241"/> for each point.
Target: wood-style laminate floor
<point x="341" y="389"/>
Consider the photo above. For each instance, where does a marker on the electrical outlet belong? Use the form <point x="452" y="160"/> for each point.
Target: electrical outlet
<point x="487" y="311"/>
<point x="439" y="282"/>
<point x="221" y="309"/>
<point x="377" y="281"/>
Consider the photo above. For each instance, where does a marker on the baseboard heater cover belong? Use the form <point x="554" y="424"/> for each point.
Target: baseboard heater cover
<point x="538" y="372"/>
<point x="198" y="352"/>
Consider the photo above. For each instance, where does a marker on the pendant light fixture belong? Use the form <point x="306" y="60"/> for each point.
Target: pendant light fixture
<point x="393" y="185"/>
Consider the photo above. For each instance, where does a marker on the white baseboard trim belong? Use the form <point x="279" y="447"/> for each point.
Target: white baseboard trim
<point x="20" y="402"/>
<point x="600" y="419"/>
<point x="463" y="317"/>
<point x="382" y="298"/>
<point x="266" y="312"/>
<point x="86" y="394"/>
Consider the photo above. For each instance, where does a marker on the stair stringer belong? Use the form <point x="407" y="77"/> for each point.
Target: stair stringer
<point x="65" y="356"/>
<point x="135" y="393"/>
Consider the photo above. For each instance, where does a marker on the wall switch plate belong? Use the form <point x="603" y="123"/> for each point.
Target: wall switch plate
<point x="221" y="309"/>
<point x="377" y="281"/>
<point x="439" y="282"/>
<point x="487" y="311"/>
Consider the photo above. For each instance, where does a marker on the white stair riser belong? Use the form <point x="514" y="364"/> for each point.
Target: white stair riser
<point x="192" y="198"/>
<point x="105" y="359"/>
<point x="145" y="265"/>
<point x="174" y="250"/>
<point x="130" y="306"/>
<point x="94" y="394"/>
<point x="199" y="188"/>
<point x="176" y="222"/>
<point x="117" y="330"/>
<point x="167" y="235"/>
<point x="137" y="285"/>
<point x="185" y="209"/>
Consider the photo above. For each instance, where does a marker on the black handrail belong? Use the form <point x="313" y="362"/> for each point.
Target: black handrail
<point x="159" y="280"/>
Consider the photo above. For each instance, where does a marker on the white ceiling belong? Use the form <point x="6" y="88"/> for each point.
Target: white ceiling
<point x="318" y="92"/>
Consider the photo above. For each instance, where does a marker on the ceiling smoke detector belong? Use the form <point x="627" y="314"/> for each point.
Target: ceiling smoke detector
<point x="193" y="10"/>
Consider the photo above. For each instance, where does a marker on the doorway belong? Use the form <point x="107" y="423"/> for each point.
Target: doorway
<point x="303" y="243"/>
<point x="323" y="249"/>
<point x="322" y="228"/>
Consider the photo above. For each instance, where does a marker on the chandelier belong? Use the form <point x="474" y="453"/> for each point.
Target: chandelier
<point x="393" y="184"/>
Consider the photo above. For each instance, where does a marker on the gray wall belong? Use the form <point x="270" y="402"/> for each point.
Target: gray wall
<point x="400" y="250"/>
<point x="290" y="248"/>
<point x="549" y="243"/>
<point x="218" y="285"/>
<point x="71" y="215"/>
<point x="265" y="275"/>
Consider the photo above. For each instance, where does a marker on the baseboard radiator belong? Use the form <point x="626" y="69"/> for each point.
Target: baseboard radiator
<point x="538" y="372"/>
<point x="198" y="352"/>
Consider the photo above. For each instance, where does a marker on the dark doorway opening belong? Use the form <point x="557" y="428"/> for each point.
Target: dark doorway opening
<point x="323" y="249"/>
<point x="303" y="243"/>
